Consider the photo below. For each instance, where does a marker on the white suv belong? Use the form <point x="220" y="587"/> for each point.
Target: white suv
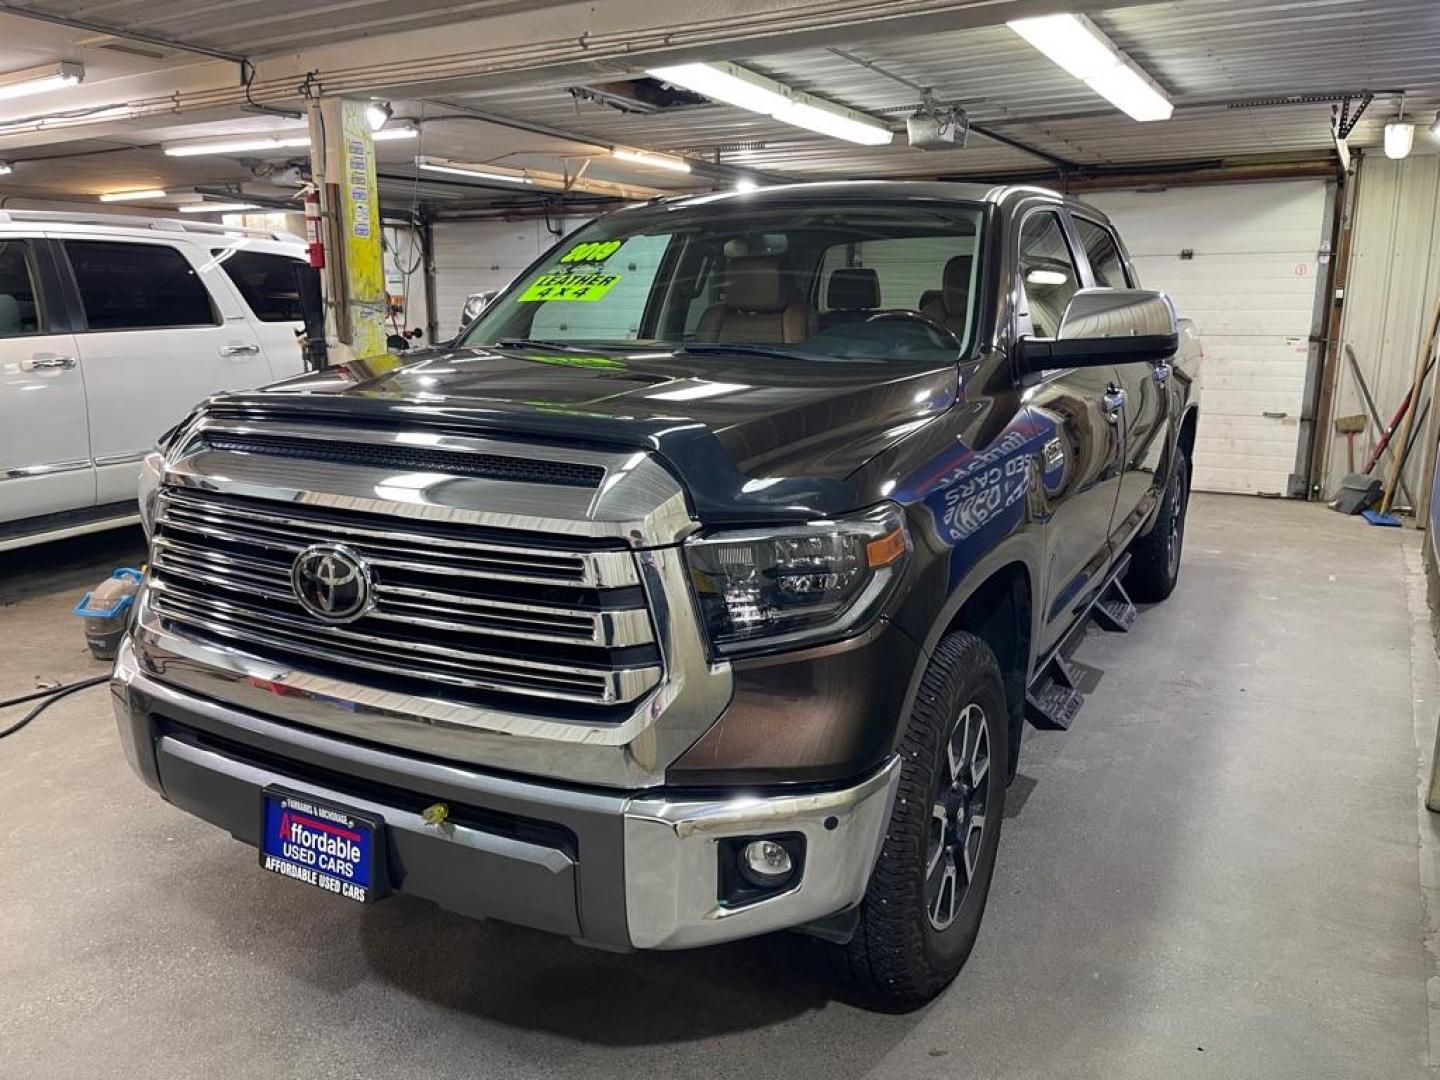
<point x="111" y="329"/>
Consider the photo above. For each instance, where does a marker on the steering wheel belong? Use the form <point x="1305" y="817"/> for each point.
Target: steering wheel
<point x="939" y="335"/>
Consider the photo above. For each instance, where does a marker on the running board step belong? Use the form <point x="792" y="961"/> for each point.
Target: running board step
<point x="1051" y="704"/>
<point x="1115" y="611"/>
<point x="1054" y="708"/>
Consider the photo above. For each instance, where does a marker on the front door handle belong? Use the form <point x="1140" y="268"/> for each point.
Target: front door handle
<point x="1112" y="401"/>
<point x="239" y="350"/>
<point x="47" y="362"/>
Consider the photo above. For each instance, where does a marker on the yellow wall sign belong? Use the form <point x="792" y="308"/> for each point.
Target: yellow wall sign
<point x="586" y="287"/>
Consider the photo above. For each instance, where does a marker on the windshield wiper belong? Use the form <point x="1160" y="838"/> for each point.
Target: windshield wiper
<point x="537" y="343"/>
<point x="750" y="349"/>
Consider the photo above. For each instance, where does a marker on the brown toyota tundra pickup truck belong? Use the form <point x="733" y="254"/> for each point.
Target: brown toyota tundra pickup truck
<point x="702" y="588"/>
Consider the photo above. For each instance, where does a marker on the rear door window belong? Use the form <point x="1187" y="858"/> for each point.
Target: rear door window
<point x="269" y="283"/>
<point x="1103" y="254"/>
<point x="126" y="286"/>
<point x="20" y="312"/>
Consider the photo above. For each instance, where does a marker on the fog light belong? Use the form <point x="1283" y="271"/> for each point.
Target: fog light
<point x="764" y="863"/>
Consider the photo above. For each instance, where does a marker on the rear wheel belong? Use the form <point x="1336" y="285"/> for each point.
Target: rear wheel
<point x="921" y="912"/>
<point x="1155" y="558"/>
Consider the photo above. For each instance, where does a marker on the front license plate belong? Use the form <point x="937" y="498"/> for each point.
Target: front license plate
<point x="321" y="844"/>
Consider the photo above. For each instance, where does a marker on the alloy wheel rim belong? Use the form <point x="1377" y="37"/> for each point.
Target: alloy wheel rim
<point x="957" y="817"/>
<point x="1177" y="524"/>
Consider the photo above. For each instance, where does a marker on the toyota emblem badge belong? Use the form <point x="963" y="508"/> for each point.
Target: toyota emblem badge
<point x="332" y="583"/>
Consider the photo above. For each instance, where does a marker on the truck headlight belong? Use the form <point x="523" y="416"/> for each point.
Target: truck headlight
<point x="765" y="589"/>
<point x="151" y="469"/>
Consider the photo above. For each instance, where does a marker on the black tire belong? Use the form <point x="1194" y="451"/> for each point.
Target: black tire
<point x="1155" y="557"/>
<point x="899" y="956"/>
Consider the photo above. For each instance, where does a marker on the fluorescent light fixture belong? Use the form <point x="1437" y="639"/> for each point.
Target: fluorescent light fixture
<point x="6" y="168"/>
<point x="37" y="80"/>
<point x="216" y="207"/>
<point x="377" y="114"/>
<point x="128" y="196"/>
<point x="1399" y="139"/>
<point x="262" y="142"/>
<point x="700" y="390"/>
<point x="1045" y="277"/>
<point x="240" y="144"/>
<point x="476" y="172"/>
<point x="745" y="184"/>
<point x="651" y="160"/>
<point x="738" y="86"/>
<point x="1080" y="47"/>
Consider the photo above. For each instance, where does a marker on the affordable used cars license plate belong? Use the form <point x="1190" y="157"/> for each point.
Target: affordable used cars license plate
<point x="321" y="844"/>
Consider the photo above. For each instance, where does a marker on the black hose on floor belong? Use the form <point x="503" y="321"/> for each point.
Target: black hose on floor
<point x="46" y="698"/>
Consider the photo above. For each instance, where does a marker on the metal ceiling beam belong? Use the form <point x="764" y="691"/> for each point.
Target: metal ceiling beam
<point x="24" y="11"/>
<point x="709" y="169"/>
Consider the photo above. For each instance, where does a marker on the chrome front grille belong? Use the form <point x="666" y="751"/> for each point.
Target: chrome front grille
<point x="463" y="613"/>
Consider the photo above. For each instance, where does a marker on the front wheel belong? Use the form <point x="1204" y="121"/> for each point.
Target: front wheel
<point x="921" y="913"/>
<point x="1155" y="557"/>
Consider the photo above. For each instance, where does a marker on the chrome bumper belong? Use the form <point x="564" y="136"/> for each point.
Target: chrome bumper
<point x="616" y="869"/>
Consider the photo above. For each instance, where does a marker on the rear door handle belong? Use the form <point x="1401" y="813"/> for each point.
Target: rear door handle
<point x="1112" y="401"/>
<point x="47" y="362"/>
<point x="239" y="350"/>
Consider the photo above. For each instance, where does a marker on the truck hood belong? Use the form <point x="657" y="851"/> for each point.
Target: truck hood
<point x="745" y="432"/>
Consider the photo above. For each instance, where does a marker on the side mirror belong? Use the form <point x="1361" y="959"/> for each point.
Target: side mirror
<point x="1107" y="326"/>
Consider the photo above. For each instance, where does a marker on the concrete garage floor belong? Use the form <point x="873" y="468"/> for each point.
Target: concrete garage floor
<point x="1216" y="873"/>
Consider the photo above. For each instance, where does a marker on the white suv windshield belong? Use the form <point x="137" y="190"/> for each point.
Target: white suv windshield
<point x="865" y="280"/>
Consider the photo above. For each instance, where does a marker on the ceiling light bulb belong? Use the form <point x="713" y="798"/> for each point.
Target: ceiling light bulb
<point x="37" y="80"/>
<point x="655" y="161"/>
<point x="478" y="172"/>
<point x="745" y="184"/>
<point x="395" y="131"/>
<point x="216" y="207"/>
<point x="128" y="196"/>
<point x="734" y="85"/>
<point x="1081" y="49"/>
<point x="377" y="114"/>
<point x="1399" y="139"/>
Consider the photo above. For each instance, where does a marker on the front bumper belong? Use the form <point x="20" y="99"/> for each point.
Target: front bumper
<point x="612" y="868"/>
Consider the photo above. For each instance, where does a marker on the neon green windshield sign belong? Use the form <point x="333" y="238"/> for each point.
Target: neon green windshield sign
<point x="583" y="287"/>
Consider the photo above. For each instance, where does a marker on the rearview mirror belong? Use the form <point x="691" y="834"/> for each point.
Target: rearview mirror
<point x="1106" y="326"/>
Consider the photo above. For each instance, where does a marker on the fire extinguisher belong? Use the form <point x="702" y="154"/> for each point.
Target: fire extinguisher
<point x="315" y="246"/>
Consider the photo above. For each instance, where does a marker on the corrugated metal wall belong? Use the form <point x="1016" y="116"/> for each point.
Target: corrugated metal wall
<point x="1392" y="289"/>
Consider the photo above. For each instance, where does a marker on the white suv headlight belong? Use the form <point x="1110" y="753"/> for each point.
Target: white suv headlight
<point x="151" y="469"/>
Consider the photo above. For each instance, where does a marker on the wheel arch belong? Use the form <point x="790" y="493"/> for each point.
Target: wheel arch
<point x="996" y="602"/>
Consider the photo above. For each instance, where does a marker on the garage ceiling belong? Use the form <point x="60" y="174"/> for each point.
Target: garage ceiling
<point x="1224" y="62"/>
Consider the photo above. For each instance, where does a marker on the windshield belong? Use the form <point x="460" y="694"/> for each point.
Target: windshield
<point x="819" y="280"/>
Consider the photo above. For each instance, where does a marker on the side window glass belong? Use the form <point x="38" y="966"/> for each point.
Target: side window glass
<point x="1102" y="253"/>
<point x="269" y="284"/>
<point x="19" y="295"/>
<point x="1048" y="276"/>
<point x="138" y="286"/>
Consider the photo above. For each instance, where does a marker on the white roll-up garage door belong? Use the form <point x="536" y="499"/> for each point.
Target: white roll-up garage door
<point x="472" y="256"/>
<point x="1243" y="261"/>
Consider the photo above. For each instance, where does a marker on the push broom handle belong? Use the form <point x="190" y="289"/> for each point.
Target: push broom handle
<point x="1422" y="365"/>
